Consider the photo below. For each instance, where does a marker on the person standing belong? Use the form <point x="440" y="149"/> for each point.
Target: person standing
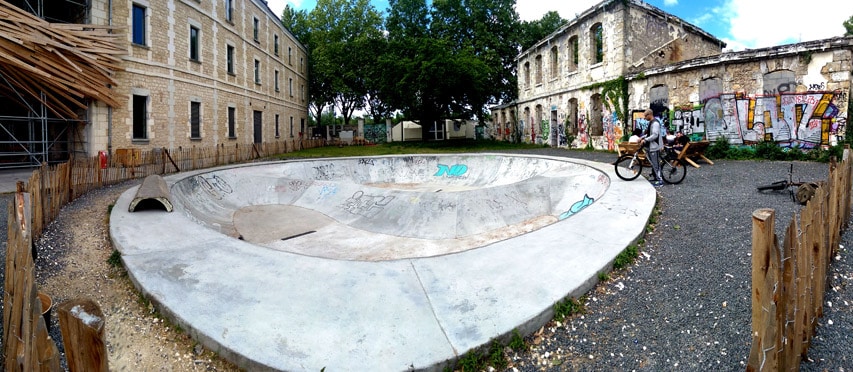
<point x="655" y="141"/>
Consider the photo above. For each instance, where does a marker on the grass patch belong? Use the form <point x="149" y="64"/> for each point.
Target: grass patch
<point x="603" y="276"/>
<point x="568" y="307"/>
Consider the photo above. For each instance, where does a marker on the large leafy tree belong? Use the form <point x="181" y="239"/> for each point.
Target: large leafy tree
<point x="449" y="60"/>
<point x="848" y="25"/>
<point x="337" y="33"/>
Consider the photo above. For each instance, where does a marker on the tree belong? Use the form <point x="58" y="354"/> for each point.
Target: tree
<point x="534" y="31"/>
<point x="450" y="60"/>
<point x="848" y="25"/>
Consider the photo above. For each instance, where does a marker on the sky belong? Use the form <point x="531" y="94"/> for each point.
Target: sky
<point x="742" y="24"/>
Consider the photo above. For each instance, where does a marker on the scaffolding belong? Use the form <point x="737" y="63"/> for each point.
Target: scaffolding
<point x="30" y="134"/>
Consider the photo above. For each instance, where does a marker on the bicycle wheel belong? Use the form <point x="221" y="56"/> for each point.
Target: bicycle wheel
<point x="628" y="168"/>
<point x="673" y="171"/>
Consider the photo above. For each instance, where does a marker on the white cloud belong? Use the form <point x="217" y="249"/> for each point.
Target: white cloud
<point x="277" y="6"/>
<point x="758" y="24"/>
<point x="530" y="10"/>
<point x="670" y="2"/>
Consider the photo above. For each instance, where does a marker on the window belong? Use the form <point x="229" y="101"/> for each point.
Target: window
<point x="527" y="74"/>
<point x="140" y="117"/>
<point x="597" y="43"/>
<point x="291" y="127"/>
<point x="539" y="69"/>
<point x="290" y="55"/>
<point x="276" y="44"/>
<point x="277" y="133"/>
<point x="229" y="55"/>
<point x="194" y="44"/>
<point x="139" y="35"/>
<point x="573" y="53"/>
<point x="554" y="62"/>
<point x="276" y="80"/>
<point x="301" y="64"/>
<point x="290" y="86"/>
<point x="302" y="91"/>
<point x="231" y="124"/>
<point x="195" y="119"/>
<point x="257" y="72"/>
<point x="229" y="10"/>
<point x="255" y="26"/>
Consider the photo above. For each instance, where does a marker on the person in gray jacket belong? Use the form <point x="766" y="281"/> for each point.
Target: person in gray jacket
<point x="655" y="145"/>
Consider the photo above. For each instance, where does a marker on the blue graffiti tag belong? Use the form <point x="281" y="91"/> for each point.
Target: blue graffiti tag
<point x="457" y="170"/>
<point x="577" y="207"/>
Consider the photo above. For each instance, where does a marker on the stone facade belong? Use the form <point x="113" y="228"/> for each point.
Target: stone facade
<point x="200" y="74"/>
<point x="654" y="60"/>
<point x="795" y="95"/>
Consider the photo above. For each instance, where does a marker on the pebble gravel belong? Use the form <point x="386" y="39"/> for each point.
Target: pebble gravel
<point x="684" y="305"/>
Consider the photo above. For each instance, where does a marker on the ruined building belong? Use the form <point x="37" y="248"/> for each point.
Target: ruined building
<point x="192" y="73"/>
<point x="586" y="84"/>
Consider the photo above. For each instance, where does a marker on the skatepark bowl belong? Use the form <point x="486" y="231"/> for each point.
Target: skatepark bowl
<point x="376" y="263"/>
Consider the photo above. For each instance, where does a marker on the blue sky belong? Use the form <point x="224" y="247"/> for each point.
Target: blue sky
<point x="741" y="24"/>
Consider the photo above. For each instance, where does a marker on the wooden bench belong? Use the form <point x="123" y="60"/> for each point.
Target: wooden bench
<point x="694" y="151"/>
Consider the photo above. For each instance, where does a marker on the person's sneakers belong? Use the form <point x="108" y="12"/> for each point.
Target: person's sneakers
<point x="657" y="184"/>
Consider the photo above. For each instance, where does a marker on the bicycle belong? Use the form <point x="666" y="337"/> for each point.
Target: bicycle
<point x="805" y="190"/>
<point x="630" y="166"/>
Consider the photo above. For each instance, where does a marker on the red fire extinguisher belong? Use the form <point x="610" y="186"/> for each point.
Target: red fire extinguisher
<point x="102" y="158"/>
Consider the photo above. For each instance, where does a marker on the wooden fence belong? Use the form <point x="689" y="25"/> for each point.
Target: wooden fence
<point x="788" y="284"/>
<point x="26" y="343"/>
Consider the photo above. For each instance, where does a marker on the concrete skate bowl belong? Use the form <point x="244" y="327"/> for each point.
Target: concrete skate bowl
<point x="378" y="263"/>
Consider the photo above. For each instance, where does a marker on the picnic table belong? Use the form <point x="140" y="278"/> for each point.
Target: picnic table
<point x="695" y="151"/>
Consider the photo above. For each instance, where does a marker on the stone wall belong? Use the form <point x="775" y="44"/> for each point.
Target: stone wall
<point x="161" y="70"/>
<point x="563" y="103"/>
<point x="796" y="97"/>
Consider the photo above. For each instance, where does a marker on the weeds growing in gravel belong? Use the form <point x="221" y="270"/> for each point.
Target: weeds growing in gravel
<point x="496" y="355"/>
<point x="517" y="342"/>
<point x="626" y="257"/>
<point x="603" y="276"/>
<point x="568" y="307"/>
<point x="115" y="259"/>
<point x="471" y="362"/>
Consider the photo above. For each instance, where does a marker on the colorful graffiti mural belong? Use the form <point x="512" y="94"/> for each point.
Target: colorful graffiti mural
<point x="802" y="120"/>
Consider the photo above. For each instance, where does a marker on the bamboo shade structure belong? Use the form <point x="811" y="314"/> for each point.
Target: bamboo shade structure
<point x="67" y="63"/>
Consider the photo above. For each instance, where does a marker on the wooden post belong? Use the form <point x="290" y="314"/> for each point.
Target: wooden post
<point x="765" y="274"/>
<point x="82" y="324"/>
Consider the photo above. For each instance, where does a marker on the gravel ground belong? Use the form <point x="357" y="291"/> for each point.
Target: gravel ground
<point x="684" y="305"/>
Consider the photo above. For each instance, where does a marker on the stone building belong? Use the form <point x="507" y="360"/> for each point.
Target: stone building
<point x="584" y="84"/>
<point x="196" y="73"/>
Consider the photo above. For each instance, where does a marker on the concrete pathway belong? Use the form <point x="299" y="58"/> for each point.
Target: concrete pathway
<point x="329" y="287"/>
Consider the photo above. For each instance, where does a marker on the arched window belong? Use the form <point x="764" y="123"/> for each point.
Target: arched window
<point x="527" y="74"/>
<point x="572" y="51"/>
<point x="596" y="126"/>
<point x="539" y="69"/>
<point x="554" y="62"/>
<point x="596" y="42"/>
<point x="572" y="119"/>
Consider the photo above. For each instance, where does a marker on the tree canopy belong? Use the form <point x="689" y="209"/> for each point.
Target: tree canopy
<point x="431" y="60"/>
<point x="848" y="25"/>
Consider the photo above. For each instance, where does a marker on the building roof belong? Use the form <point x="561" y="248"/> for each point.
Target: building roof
<point x="595" y="9"/>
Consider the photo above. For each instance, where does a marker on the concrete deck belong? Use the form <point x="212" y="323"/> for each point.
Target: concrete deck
<point x="382" y="263"/>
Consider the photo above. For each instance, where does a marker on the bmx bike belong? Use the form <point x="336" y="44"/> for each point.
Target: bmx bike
<point x="805" y="190"/>
<point x="672" y="169"/>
